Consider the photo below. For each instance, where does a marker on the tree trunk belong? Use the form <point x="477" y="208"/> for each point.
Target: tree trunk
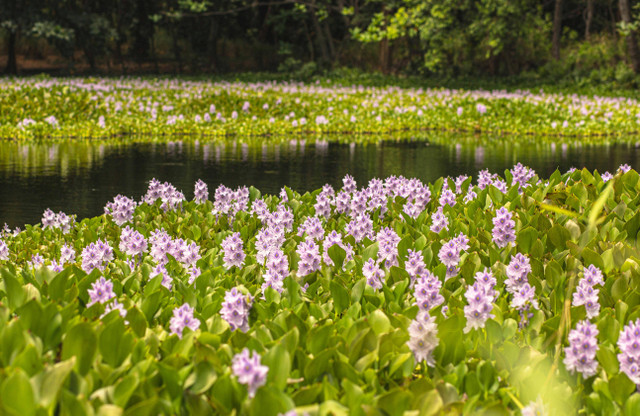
<point x="632" y="46"/>
<point x="588" y="19"/>
<point x="319" y="34"/>
<point x="557" y="30"/>
<point x="12" y="64"/>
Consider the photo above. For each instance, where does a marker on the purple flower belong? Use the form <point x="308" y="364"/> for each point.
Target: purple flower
<point x="503" y="228"/>
<point x="348" y="184"/>
<point x="517" y="272"/>
<point x="4" y="251"/>
<point x="373" y="274"/>
<point x="132" y="243"/>
<point x="414" y="265"/>
<point x="480" y="298"/>
<point x="629" y="357"/>
<point x="235" y="309"/>
<point x="388" y="241"/>
<point x="37" y="261"/>
<point x="277" y="270"/>
<point x="233" y="251"/>
<point x="121" y="209"/>
<point x="183" y="318"/>
<point x="606" y="177"/>
<point x="360" y="227"/>
<point x="521" y="175"/>
<point x="67" y="254"/>
<point x="427" y="291"/>
<point x="423" y="333"/>
<point x="485" y="178"/>
<point x="309" y="254"/>
<point x="523" y="300"/>
<point x="49" y="219"/>
<point x="312" y="227"/>
<point x="449" y="253"/>
<point x="481" y="108"/>
<point x="160" y="269"/>
<point x="268" y="239"/>
<point x="624" y="168"/>
<point x="96" y="256"/>
<point x="201" y="192"/>
<point x="249" y="371"/>
<point x="439" y="221"/>
<point x="447" y="198"/>
<point x="101" y="291"/>
<point x="581" y="353"/>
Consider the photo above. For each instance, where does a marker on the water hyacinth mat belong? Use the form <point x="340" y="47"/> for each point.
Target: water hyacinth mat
<point x="487" y="295"/>
<point x="41" y="107"/>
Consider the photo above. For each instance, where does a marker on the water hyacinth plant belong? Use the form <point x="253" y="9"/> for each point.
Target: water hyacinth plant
<point x="48" y="107"/>
<point x="511" y="294"/>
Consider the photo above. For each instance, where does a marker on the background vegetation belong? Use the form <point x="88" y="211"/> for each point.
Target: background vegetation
<point x="582" y="42"/>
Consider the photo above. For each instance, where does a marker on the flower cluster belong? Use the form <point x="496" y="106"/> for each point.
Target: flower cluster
<point x="447" y="197"/>
<point x="267" y="240"/>
<point x="4" y="250"/>
<point x="229" y="202"/>
<point x="233" y="251"/>
<point x="580" y="355"/>
<point x="183" y="318"/>
<point x="171" y="198"/>
<point x="629" y="357"/>
<point x="249" y="371"/>
<point x="96" y="256"/>
<point x="480" y="297"/>
<point x="586" y="294"/>
<point x="423" y="337"/>
<point x="439" y="221"/>
<point x="450" y="252"/>
<point x="388" y="241"/>
<point x="517" y="283"/>
<point x="60" y="220"/>
<point x="132" y="243"/>
<point x="427" y="291"/>
<point x="503" y="228"/>
<point x="312" y="227"/>
<point x="121" y="209"/>
<point x="101" y="291"/>
<point x="309" y="254"/>
<point x="201" y="192"/>
<point x="373" y="274"/>
<point x="522" y="174"/>
<point x="277" y="270"/>
<point x="235" y="309"/>
<point x="414" y="265"/>
<point x="360" y="227"/>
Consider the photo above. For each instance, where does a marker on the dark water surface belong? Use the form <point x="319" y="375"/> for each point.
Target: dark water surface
<point x="81" y="177"/>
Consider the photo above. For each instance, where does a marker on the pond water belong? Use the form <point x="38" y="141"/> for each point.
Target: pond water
<point x="81" y="177"/>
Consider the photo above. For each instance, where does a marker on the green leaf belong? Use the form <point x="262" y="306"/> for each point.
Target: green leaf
<point x="270" y="401"/>
<point x="16" y="294"/>
<point x="379" y="322"/>
<point x="395" y="402"/>
<point x="53" y="379"/>
<point x="124" y="389"/>
<point x="371" y="252"/>
<point x="430" y="403"/>
<point x="526" y="238"/>
<point x="621" y="388"/>
<point x="337" y="255"/>
<point x="80" y="342"/>
<point x="115" y="345"/>
<point x="340" y="296"/>
<point x="205" y="375"/>
<point x="279" y="363"/>
<point x="17" y="394"/>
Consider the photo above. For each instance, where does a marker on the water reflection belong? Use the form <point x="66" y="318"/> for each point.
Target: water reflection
<point x="80" y="177"/>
